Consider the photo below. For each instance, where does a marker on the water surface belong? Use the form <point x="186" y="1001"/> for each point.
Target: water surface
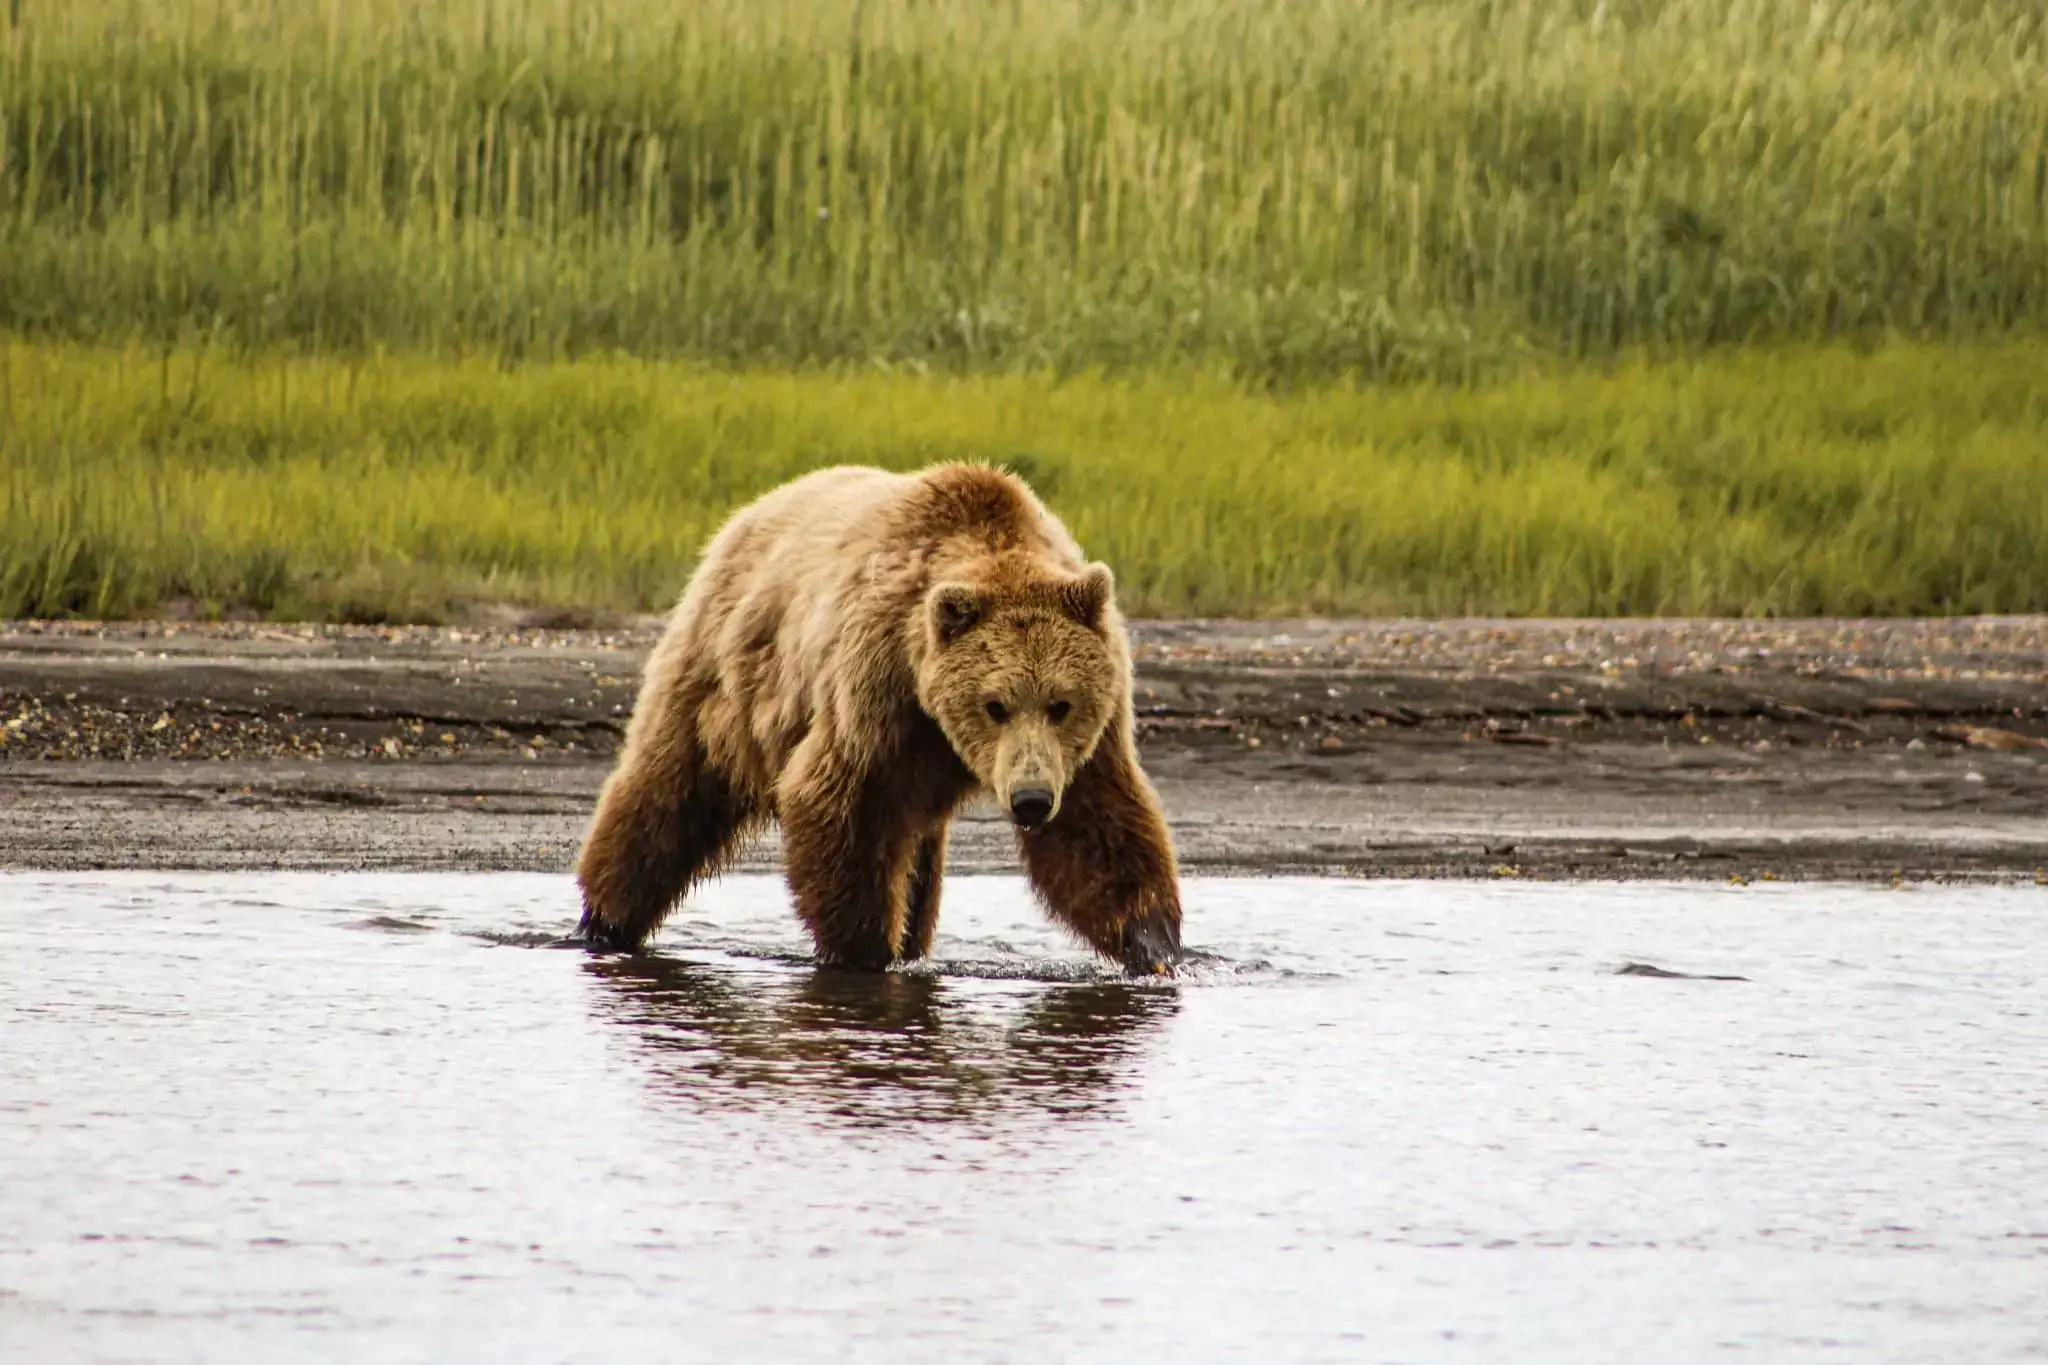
<point x="376" y="1117"/>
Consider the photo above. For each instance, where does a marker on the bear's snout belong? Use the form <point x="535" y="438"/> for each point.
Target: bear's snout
<point x="1031" y="806"/>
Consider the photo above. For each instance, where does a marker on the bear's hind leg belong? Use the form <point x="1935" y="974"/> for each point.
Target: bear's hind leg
<point x="847" y="849"/>
<point x="927" y="872"/>
<point x="664" y="822"/>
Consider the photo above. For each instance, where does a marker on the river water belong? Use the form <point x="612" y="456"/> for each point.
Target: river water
<point x="377" y="1117"/>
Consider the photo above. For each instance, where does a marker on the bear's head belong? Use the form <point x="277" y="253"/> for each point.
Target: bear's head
<point x="1023" y="678"/>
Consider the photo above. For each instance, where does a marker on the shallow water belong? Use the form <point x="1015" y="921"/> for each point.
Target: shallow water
<point x="374" y="1117"/>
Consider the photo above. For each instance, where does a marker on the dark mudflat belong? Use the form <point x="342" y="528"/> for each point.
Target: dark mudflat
<point x="1603" y="750"/>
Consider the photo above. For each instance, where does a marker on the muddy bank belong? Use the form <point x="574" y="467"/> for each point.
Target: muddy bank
<point x="1866" y="750"/>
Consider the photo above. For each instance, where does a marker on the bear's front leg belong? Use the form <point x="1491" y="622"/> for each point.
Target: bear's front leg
<point x="847" y="850"/>
<point x="1104" y="866"/>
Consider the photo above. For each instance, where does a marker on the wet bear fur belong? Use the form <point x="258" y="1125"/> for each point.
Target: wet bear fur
<point x="858" y="653"/>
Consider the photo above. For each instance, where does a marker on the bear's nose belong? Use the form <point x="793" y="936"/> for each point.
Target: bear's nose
<point x="1031" y="806"/>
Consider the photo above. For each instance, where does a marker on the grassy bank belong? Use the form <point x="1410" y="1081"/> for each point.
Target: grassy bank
<point x="1279" y="190"/>
<point x="1801" y="481"/>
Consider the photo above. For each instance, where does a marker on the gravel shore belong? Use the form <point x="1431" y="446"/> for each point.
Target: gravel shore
<point x="1890" y="750"/>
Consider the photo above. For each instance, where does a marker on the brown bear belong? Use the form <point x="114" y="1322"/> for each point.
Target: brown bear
<point x="857" y="654"/>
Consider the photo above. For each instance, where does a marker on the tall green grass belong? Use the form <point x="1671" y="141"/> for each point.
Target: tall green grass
<point x="1285" y="189"/>
<point x="1778" y="482"/>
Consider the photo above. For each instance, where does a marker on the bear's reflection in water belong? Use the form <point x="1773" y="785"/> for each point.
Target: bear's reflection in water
<point x="881" y="1049"/>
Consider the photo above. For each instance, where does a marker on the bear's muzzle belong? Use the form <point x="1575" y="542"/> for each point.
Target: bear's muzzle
<point x="1031" y="807"/>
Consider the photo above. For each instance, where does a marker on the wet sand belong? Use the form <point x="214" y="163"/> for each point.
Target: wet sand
<point x="1879" y="750"/>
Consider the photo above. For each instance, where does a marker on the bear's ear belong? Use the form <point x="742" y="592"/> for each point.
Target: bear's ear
<point x="1087" y="597"/>
<point x="955" y="608"/>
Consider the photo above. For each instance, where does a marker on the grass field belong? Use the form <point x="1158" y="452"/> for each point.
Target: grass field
<point x="1784" y="482"/>
<point x="1285" y="190"/>
<point x="374" y="309"/>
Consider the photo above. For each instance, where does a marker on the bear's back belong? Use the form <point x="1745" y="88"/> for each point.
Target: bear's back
<point x="818" y="522"/>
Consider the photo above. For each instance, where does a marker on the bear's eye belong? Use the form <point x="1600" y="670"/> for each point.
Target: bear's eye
<point x="998" y="712"/>
<point x="1058" y="711"/>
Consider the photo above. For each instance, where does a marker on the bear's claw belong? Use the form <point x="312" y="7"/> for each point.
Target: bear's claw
<point x="595" y="932"/>
<point x="1151" y="945"/>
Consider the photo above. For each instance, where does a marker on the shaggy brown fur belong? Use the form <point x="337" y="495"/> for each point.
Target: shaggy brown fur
<point x="858" y="653"/>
